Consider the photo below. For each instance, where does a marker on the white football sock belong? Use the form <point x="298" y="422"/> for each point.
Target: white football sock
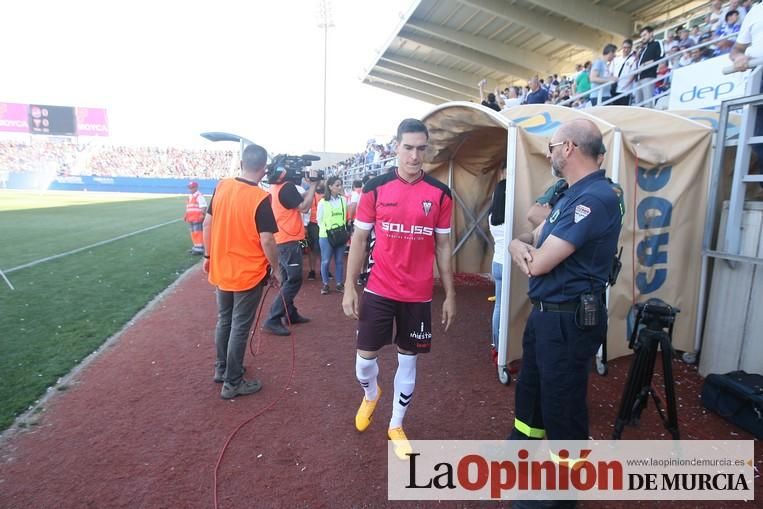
<point x="405" y="381"/>
<point x="367" y="370"/>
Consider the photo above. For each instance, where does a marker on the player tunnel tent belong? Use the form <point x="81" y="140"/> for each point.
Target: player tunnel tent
<point x="665" y="170"/>
<point x="469" y="145"/>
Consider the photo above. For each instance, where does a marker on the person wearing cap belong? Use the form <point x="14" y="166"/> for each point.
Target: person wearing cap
<point x="568" y="260"/>
<point x="195" y="208"/>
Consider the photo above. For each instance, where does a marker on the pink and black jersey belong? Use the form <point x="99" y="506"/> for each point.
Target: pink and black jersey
<point x="405" y="217"/>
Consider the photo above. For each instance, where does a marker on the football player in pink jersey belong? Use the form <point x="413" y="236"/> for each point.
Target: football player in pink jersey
<point x="410" y="214"/>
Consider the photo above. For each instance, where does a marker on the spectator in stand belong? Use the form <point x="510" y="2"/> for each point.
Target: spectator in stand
<point x="651" y="53"/>
<point x="512" y="98"/>
<point x="583" y="82"/>
<point x="663" y="84"/>
<point x="734" y="5"/>
<point x="491" y="101"/>
<point x="564" y="94"/>
<point x="730" y="27"/>
<point x="623" y="68"/>
<point x="715" y="16"/>
<point x="684" y="40"/>
<point x="601" y="75"/>
<point x="675" y="59"/>
<point x="538" y="94"/>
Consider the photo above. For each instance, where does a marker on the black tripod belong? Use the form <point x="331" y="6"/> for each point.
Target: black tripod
<point x="653" y="328"/>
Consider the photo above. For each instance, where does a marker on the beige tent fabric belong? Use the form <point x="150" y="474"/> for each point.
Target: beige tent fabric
<point x="471" y="140"/>
<point x="468" y="149"/>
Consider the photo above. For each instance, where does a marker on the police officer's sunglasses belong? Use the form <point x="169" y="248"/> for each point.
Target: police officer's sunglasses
<point x="552" y="145"/>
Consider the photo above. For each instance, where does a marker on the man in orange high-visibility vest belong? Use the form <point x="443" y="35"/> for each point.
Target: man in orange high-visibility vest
<point x="195" y="208"/>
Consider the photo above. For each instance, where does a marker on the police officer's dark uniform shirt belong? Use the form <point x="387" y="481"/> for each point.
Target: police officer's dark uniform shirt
<point x="587" y="215"/>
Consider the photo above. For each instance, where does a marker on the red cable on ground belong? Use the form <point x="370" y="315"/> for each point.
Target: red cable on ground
<point x="272" y="403"/>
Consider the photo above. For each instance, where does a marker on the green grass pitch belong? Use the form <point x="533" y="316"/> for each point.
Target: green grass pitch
<point x="64" y="309"/>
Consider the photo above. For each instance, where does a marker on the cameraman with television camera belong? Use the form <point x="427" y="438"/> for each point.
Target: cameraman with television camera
<point x="284" y="174"/>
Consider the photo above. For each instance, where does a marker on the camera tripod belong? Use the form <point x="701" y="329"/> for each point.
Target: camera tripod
<point x="653" y="328"/>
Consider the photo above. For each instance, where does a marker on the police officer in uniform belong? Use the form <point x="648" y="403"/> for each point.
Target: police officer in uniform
<point x="568" y="259"/>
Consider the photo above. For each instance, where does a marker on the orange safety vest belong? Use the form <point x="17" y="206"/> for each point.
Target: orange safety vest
<point x="237" y="261"/>
<point x="193" y="213"/>
<point x="314" y="208"/>
<point x="289" y="221"/>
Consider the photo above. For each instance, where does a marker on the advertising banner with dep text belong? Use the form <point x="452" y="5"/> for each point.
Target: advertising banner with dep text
<point x="703" y="85"/>
<point x="573" y="470"/>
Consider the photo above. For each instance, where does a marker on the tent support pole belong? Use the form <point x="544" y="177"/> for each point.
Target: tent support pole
<point x="508" y="234"/>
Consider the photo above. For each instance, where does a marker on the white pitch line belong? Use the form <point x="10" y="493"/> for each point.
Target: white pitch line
<point x="7" y="280"/>
<point x="79" y="249"/>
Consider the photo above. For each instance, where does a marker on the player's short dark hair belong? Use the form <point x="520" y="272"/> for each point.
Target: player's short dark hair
<point x="357" y="183"/>
<point x="411" y="125"/>
<point x="254" y="157"/>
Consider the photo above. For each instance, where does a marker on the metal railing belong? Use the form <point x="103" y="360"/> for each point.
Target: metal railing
<point x="730" y="250"/>
<point x="598" y="90"/>
<point x="359" y="171"/>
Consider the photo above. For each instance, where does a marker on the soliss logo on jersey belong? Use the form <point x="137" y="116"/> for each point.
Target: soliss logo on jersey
<point x="427" y="206"/>
<point x="554" y="216"/>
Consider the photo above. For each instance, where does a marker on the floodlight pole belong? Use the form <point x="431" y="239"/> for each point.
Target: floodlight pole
<point x="325" y="77"/>
<point x="325" y="16"/>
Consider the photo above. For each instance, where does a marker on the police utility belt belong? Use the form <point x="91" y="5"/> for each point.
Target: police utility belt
<point x="587" y="308"/>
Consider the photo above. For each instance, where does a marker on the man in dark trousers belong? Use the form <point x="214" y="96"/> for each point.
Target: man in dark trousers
<point x="239" y="252"/>
<point x="651" y="52"/>
<point x="288" y="207"/>
<point x="568" y="259"/>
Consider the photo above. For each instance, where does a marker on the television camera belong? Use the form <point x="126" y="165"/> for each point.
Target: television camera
<point x="288" y="168"/>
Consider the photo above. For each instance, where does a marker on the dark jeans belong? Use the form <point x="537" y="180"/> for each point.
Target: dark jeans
<point x="290" y="263"/>
<point x="622" y="101"/>
<point x="235" y="313"/>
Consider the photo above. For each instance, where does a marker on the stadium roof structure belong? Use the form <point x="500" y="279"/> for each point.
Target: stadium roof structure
<point x="442" y="48"/>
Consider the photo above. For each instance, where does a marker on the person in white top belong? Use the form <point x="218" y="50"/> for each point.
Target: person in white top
<point x="748" y="46"/>
<point x="622" y="68"/>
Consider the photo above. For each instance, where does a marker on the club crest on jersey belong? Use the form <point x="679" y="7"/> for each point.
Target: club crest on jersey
<point x="427" y="206"/>
<point x="581" y="212"/>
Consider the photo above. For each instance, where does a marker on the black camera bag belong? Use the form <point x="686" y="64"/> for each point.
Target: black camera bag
<point x="738" y="398"/>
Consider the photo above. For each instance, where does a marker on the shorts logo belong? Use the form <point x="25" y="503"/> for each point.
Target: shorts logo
<point x="427" y="206"/>
<point x="421" y="334"/>
<point x="581" y="212"/>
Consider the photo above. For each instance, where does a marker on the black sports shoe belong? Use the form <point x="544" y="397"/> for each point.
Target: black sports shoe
<point x="311" y="275"/>
<point x="298" y="319"/>
<point x="276" y="328"/>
